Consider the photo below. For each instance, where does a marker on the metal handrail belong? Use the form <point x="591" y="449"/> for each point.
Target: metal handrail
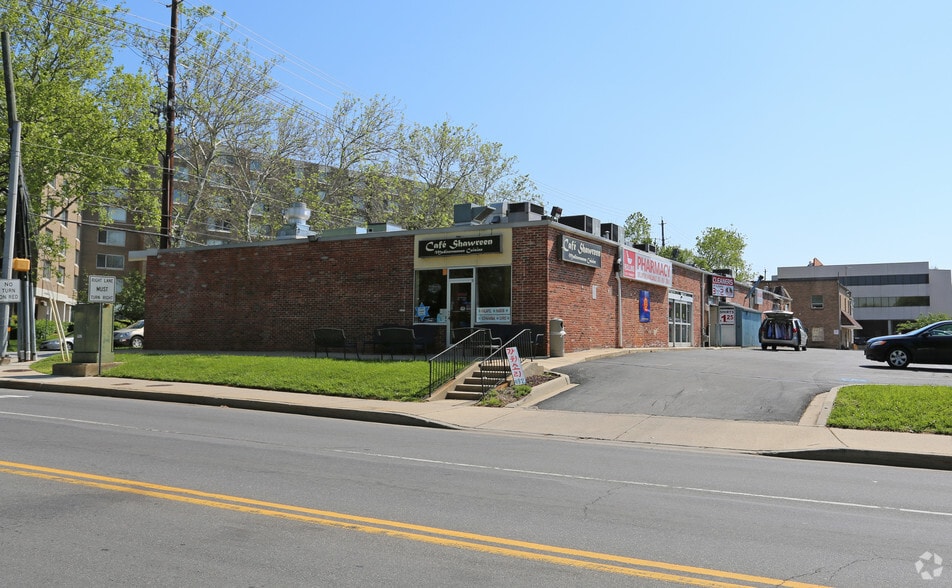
<point x="497" y="362"/>
<point x="448" y="364"/>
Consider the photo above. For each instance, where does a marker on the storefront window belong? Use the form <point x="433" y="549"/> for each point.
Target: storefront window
<point x="431" y="296"/>
<point x="492" y="286"/>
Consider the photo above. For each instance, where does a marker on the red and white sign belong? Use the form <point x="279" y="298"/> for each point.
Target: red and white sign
<point x="644" y="267"/>
<point x="515" y="364"/>
<point x="725" y="315"/>
<point x="722" y="286"/>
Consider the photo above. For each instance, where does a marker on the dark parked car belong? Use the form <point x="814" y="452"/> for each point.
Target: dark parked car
<point x="930" y="344"/>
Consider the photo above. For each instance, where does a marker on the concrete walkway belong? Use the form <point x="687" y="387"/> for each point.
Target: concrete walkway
<point x="810" y="439"/>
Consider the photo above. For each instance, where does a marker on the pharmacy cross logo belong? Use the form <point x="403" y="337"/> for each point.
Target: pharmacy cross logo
<point x="929" y="566"/>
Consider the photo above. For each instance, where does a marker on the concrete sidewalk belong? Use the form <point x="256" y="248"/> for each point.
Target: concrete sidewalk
<point x="810" y="439"/>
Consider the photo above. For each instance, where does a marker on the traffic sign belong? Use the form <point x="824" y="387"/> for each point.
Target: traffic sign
<point x="9" y="291"/>
<point x="102" y="289"/>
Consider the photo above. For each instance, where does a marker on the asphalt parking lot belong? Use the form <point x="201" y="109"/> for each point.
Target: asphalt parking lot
<point x="746" y="384"/>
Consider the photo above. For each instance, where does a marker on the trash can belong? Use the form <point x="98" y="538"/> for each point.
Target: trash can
<point x="556" y="338"/>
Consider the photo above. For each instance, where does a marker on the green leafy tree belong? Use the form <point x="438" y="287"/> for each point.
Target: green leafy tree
<point x="922" y="320"/>
<point x="88" y="136"/>
<point x="718" y="248"/>
<point x="130" y="301"/>
<point x="638" y="229"/>
<point x="442" y="165"/>
<point x="236" y="141"/>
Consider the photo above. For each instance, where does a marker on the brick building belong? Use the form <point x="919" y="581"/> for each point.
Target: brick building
<point x="270" y="296"/>
<point x="826" y="308"/>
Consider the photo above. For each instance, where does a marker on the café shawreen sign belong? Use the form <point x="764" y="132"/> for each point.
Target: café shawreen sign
<point x="644" y="267"/>
<point x="460" y="246"/>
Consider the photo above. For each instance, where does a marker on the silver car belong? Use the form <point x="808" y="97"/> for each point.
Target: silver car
<point x="132" y="336"/>
<point x="781" y="329"/>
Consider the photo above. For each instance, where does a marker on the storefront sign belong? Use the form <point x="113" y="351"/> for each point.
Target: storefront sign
<point x="460" y="246"/>
<point x="581" y="252"/>
<point x="644" y="306"/>
<point x="493" y="314"/>
<point x="722" y="286"/>
<point x="644" y="267"/>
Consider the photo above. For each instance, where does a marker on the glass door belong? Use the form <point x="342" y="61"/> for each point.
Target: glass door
<point x="679" y="322"/>
<point x="460" y="303"/>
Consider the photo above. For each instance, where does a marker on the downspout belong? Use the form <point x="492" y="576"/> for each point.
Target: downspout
<point x="621" y="338"/>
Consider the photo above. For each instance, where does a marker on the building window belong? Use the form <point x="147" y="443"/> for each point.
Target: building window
<point x="61" y="275"/>
<point x="492" y="290"/>
<point x="111" y="237"/>
<point x="181" y="173"/>
<point x="47" y="272"/>
<point x="431" y="293"/>
<point x="217" y="225"/>
<point x="116" y="214"/>
<point x="816" y="301"/>
<point x="104" y="261"/>
<point x="179" y="196"/>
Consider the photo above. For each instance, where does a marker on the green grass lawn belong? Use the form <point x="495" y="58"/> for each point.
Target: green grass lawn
<point x="911" y="409"/>
<point x="915" y="409"/>
<point x="384" y="380"/>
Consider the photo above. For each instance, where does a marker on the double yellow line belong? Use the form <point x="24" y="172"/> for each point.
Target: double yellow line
<point x="577" y="558"/>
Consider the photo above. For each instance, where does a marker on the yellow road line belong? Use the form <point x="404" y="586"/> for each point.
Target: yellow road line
<point x="445" y="537"/>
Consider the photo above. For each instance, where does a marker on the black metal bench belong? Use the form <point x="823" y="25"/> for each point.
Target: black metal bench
<point x="328" y="338"/>
<point x="399" y="340"/>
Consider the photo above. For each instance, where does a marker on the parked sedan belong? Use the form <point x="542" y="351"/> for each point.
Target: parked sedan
<point x="54" y="344"/>
<point x="131" y="336"/>
<point x="930" y="344"/>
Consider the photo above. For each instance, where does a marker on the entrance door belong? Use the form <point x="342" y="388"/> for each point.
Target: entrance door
<point x="460" y="303"/>
<point x="679" y="321"/>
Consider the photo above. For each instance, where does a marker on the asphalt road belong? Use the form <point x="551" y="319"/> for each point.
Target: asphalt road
<point x="100" y="492"/>
<point x="731" y="383"/>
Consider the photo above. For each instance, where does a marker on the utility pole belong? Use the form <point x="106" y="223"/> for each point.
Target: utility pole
<point x="168" y="159"/>
<point x="13" y="189"/>
<point x="662" y="233"/>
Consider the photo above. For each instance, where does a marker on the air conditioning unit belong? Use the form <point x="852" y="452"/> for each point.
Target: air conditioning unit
<point x="583" y="223"/>
<point x="612" y="232"/>
<point x="525" y="211"/>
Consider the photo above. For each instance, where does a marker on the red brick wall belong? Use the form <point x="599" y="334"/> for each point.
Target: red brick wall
<point x="263" y="298"/>
<point x="269" y="297"/>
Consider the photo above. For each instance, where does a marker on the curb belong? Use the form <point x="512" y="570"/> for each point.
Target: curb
<point x="372" y="416"/>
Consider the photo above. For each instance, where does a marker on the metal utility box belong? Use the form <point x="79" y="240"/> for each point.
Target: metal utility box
<point x="92" y="333"/>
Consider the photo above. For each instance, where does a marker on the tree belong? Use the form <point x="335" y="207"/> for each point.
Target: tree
<point x="236" y="140"/>
<point x="723" y="249"/>
<point x="130" y="301"/>
<point x="442" y="165"/>
<point x="87" y="126"/>
<point x="638" y="229"/>
<point x="921" y="321"/>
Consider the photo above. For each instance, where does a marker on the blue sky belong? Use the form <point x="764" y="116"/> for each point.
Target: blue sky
<point x="814" y="128"/>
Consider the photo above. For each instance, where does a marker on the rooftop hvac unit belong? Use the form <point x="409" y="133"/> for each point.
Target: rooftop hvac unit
<point x="612" y="232"/>
<point x="583" y="223"/>
<point x="646" y="247"/>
